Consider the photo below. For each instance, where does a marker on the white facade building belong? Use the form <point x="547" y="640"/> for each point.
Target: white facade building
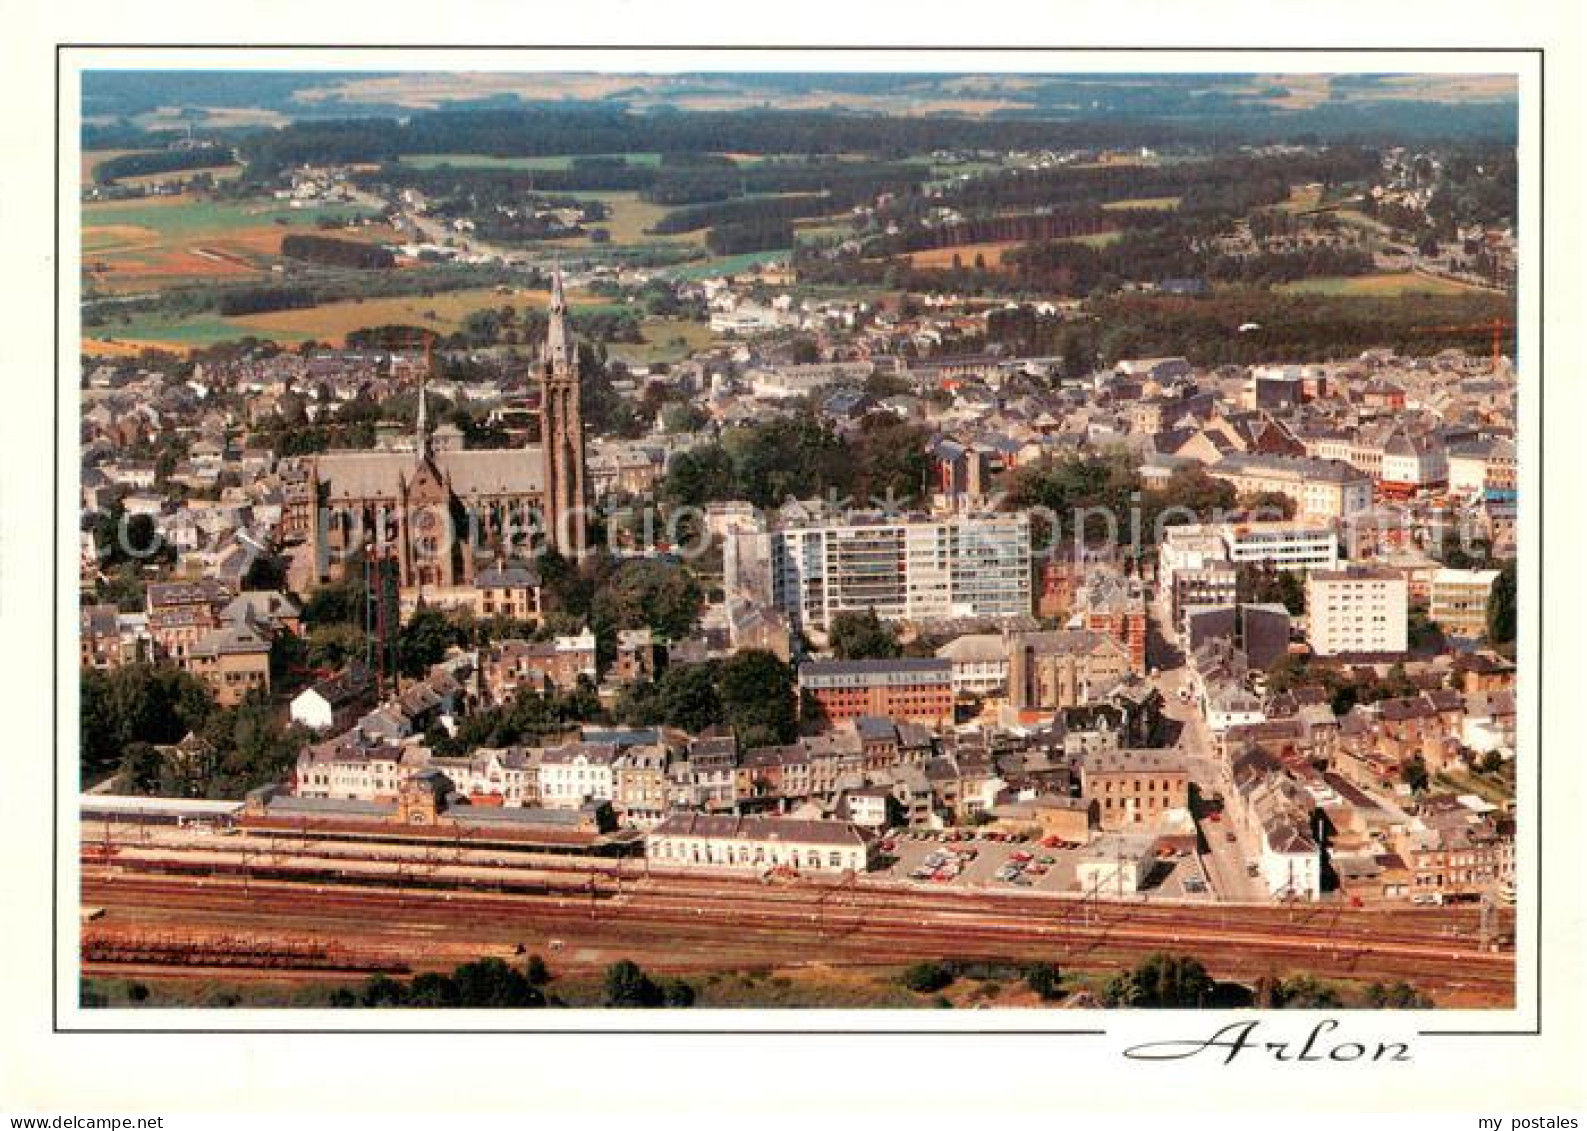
<point x="577" y="773"/>
<point x="1282" y="545"/>
<point x="1357" y="609"/>
<point x="903" y="568"/>
<point x="757" y="844"/>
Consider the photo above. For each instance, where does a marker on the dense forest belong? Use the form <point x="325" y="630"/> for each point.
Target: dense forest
<point x="545" y="131"/>
<point x="161" y="161"/>
<point x="331" y="252"/>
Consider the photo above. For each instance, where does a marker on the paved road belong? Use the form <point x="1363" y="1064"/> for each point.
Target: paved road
<point x="1224" y="860"/>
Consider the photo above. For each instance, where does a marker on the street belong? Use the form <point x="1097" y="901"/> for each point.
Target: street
<point x="1224" y="859"/>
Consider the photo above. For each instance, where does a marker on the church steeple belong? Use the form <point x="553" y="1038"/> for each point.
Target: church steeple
<point x="562" y="430"/>
<point x="423" y="444"/>
<point x="559" y="354"/>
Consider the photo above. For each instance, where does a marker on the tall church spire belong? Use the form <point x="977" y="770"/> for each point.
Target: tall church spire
<point x="559" y="345"/>
<point x="562" y="430"/>
<point x="424" y="404"/>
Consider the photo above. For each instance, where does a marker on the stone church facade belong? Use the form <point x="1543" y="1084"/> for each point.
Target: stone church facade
<point x="439" y="514"/>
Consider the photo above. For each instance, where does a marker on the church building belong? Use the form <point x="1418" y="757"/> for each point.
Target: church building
<point x="438" y="512"/>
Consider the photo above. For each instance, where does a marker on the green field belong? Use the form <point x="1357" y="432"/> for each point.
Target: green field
<point x="666" y="340"/>
<point x="176" y="216"/>
<point x="727" y="265"/>
<point x="1377" y="286"/>
<point x="193" y="330"/>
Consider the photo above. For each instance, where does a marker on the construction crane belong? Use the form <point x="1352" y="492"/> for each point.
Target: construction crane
<point x="1496" y="330"/>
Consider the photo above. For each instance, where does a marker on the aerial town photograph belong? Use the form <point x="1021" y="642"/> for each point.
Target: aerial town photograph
<point x="579" y="540"/>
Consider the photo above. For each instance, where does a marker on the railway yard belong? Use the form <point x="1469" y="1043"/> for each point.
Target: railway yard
<point x="171" y="904"/>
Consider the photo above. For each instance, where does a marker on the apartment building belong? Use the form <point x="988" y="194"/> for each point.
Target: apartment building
<point x="1357" y="609"/>
<point x="1459" y="601"/>
<point x="577" y="773"/>
<point x="906" y="690"/>
<point x="912" y="568"/>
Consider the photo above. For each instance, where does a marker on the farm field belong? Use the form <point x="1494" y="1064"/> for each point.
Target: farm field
<point x="1378" y="286"/>
<point x="629" y="220"/>
<point x="1144" y="203"/>
<point x="138" y="244"/>
<point x="331" y="322"/>
<point x="666" y="340"/>
<point x="941" y="258"/>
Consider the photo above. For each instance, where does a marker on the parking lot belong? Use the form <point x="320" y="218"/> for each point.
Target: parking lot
<point x="984" y="861"/>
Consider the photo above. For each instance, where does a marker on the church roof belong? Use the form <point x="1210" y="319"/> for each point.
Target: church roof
<point x="474" y="473"/>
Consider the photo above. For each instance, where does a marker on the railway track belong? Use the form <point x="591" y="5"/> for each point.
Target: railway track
<point x="698" y="923"/>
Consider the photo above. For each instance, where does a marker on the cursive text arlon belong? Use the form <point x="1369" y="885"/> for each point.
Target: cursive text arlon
<point x="1241" y="1037"/>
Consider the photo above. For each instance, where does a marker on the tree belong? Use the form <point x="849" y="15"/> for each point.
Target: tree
<point x="1413" y="772"/>
<point x="1161" y="981"/>
<point x="1501" y="608"/>
<point x="424" y="640"/>
<point x="678" y="994"/>
<point x="647" y="593"/>
<point x="1268" y="505"/>
<point x="927" y="977"/>
<point x="265" y="572"/>
<point x="1044" y="979"/>
<point x="1300" y="991"/>
<point x="536" y="971"/>
<point x="142" y="767"/>
<point x="758" y="702"/>
<point x="137" y="703"/>
<point x="629" y="987"/>
<point x="340" y="602"/>
<point x="1396" y="995"/>
<point x="863" y="636"/>
<point x="491" y="983"/>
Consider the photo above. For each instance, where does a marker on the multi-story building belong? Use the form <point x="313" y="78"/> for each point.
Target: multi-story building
<point x="351" y="767"/>
<point x="908" y="568"/>
<point x="1193" y="568"/>
<point x="1457" y="853"/>
<point x="1282" y="545"/>
<point x="507" y="665"/>
<point x="693" y="840"/>
<point x="1412" y="463"/>
<point x="233" y="659"/>
<point x="1134" y="787"/>
<point x="1358" y="609"/>
<point x="100" y="640"/>
<point x="509" y="777"/>
<point x="980" y="663"/>
<point x="1321" y="489"/>
<point x="1459" y="601"/>
<point x="640" y="784"/>
<point x="577" y="773"/>
<point x="909" y="690"/>
<point x="506" y="591"/>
